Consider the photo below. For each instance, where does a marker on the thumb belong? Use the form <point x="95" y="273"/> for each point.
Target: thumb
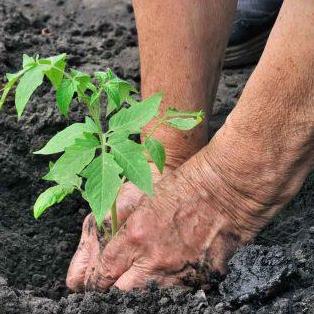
<point x="128" y="198"/>
<point x="111" y="263"/>
<point x="79" y="262"/>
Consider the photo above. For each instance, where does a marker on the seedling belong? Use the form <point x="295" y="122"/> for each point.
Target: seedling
<point x="97" y="158"/>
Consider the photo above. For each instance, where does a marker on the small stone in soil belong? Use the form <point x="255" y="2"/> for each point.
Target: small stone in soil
<point x="3" y="281"/>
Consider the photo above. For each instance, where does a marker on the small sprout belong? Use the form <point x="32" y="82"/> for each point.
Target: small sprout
<point x="95" y="160"/>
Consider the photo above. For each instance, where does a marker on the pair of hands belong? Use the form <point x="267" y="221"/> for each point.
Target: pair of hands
<point x="160" y="238"/>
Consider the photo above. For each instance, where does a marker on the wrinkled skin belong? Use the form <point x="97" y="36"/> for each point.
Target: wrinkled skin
<point x="130" y="194"/>
<point x="166" y="223"/>
<point x="194" y="217"/>
<point x="221" y="197"/>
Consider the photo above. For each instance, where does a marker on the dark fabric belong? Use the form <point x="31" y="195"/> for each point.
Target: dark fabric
<point x="253" y="17"/>
<point x="259" y="6"/>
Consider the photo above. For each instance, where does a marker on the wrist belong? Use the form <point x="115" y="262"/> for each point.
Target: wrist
<point x="179" y="145"/>
<point x="225" y="203"/>
<point x="246" y="182"/>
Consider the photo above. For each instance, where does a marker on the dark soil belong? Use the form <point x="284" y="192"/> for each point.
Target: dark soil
<point x="273" y="275"/>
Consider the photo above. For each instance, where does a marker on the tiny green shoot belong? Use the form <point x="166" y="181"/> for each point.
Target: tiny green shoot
<point x="96" y="158"/>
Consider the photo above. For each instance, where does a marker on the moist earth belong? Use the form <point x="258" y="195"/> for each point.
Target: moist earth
<point x="275" y="274"/>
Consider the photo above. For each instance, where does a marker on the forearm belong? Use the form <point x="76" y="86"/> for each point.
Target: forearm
<point x="261" y="156"/>
<point x="181" y="55"/>
<point x="286" y="66"/>
<point x="274" y="118"/>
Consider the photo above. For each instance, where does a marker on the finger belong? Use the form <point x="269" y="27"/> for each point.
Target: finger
<point x="92" y="262"/>
<point x="94" y="255"/>
<point x="110" y="264"/>
<point x="136" y="277"/>
<point x="79" y="262"/>
<point x="124" y="213"/>
<point x="129" y="197"/>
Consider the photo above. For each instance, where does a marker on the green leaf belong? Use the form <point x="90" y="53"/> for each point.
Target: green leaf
<point x="67" y="137"/>
<point x="131" y="101"/>
<point x="57" y="58"/>
<point x="117" y="91"/>
<point x="157" y="152"/>
<point x="27" y="85"/>
<point x="102" y="185"/>
<point x="183" y="124"/>
<point x="175" y="113"/>
<point x="65" y="93"/>
<point x="56" y="72"/>
<point x="69" y="179"/>
<point x="71" y="163"/>
<point x="134" y="118"/>
<point x="113" y="98"/>
<point x="12" y="79"/>
<point x="94" y="99"/>
<point x="87" y="142"/>
<point x="14" y="76"/>
<point x="90" y="125"/>
<point x="84" y="82"/>
<point x="83" y="79"/>
<point x="51" y="196"/>
<point x="118" y="137"/>
<point x="103" y="77"/>
<point x="183" y="120"/>
<point x="130" y="157"/>
<point x="28" y="61"/>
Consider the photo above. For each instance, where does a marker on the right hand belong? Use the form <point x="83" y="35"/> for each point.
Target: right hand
<point x="130" y="194"/>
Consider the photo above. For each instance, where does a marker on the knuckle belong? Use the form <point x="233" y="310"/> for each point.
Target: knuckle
<point x="136" y="236"/>
<point x="103" y="276"/>
<point x="109" y="267"/>
<point x="136" y="233"/>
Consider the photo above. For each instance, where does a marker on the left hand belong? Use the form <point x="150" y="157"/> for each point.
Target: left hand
<point x="88" y="249"/>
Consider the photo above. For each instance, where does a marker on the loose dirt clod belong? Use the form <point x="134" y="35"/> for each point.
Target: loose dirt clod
<point x="258" y="272"/>
<point x="34" y="256"/>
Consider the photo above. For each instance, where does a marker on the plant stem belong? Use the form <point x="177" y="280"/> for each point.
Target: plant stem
<point x="95" y="113"/>
<point x="155" y="127"/>
<point x="114" y="219"/>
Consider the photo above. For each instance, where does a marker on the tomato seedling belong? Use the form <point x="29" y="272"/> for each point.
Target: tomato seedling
<point x="97" y="158"/>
